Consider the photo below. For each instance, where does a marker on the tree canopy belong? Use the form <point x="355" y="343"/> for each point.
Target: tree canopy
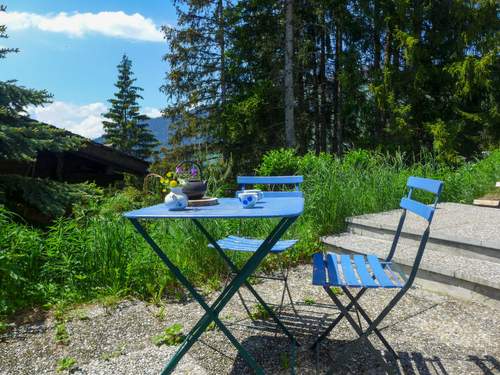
<point x="372" y="73"/>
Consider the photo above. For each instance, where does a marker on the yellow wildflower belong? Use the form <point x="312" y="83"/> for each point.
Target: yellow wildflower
<point x="173" y="183"/>
<point x="170" y="174"/>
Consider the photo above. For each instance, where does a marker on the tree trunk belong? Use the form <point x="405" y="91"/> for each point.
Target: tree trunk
<point x="377" y="71"/>
<point x="289" y="98"/>
<point x="315" y="99"/>
<point x="222" y="49"/>
<point x="322" y="84"/>
<point x="337" y="90"/>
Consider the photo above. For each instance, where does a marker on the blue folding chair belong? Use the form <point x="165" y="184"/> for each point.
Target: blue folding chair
<point x="367" y="271"/>
<point x="250" y="245"/>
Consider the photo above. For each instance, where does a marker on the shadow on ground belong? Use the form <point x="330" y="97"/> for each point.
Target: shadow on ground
<point x="274" y="352"/>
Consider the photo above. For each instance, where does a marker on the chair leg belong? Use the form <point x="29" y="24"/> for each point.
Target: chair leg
<point x="337" y="320"/>
<point x="369" y="321"/>
<point x="349" y="318"/>
<point x="345" y="313"/>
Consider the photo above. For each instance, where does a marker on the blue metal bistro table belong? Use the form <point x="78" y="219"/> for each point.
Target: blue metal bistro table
<point x="286" y="208"/>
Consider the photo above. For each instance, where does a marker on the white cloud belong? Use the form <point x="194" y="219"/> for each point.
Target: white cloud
<point x="114" y="24"/>
<point x="85" y="120"/>
<point x="151" y="112"/>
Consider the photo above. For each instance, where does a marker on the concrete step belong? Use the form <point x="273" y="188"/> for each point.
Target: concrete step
<point x="462" y="277"/>
<point x="457" y="229"/>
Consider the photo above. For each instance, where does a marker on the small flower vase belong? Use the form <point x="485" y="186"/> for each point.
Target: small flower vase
<point x="176" y="199"/>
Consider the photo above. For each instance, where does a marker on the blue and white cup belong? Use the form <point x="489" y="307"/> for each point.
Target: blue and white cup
<point x="259" y="193"/>
<point x="248" y="200"/>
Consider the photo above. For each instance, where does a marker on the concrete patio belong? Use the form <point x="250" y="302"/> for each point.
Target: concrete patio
<point x="433" y="334"/>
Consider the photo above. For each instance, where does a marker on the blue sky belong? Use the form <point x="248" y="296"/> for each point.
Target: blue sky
<point x="72" y="47"/>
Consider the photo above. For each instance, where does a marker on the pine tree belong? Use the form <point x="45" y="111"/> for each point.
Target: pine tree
<point x="20" y="140"/>
<point x="21" y="137"/>
<point x="126" y="129"/>
<point x="196" y="83"/>
<point x="3" y="35"/>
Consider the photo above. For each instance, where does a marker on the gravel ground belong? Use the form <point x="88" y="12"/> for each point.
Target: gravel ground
<point x="431" y="333"/>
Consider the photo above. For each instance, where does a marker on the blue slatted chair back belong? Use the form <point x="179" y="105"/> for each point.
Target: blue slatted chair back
<point x="424" y="211"/>
<point x="244" y="181"/>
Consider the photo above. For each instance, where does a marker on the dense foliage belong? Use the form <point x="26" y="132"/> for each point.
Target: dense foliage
<point x="373" y="73"/>
<point x="97" y="253"/>
<point x="125" y="128"/>
<point x="3" y="35"/>
<point x="20" y="140"/>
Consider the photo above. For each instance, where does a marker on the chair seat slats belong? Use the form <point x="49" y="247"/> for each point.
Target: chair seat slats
<point x="332" y="265"/>
<point x="319" y="274"/>
<point x="329" y="271"/>
<point x="236" y="243"/>
<point x="348" y="272"/>
<point x="364" y="274"/>
<point x="379" y="272"/>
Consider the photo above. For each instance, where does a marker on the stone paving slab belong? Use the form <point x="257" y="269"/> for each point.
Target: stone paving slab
<point x="456" y="222"/>
<point x="432" y="334"/>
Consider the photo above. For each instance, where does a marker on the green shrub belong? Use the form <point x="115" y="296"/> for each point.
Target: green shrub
<point x="170" y="336"/>
<point x="65" y="363"/>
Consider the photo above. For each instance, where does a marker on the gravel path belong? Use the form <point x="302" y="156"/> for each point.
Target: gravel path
<point x="432" y="335"/>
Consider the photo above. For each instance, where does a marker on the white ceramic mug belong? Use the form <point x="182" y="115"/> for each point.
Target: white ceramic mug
<point x="259" y="193"/>
<point x="248" y="200"/>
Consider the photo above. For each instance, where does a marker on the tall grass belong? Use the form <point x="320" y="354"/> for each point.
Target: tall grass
<point x="97" y="252"/>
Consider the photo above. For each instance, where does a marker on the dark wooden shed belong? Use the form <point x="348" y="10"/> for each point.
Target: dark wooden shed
<point x="92" y="162"/>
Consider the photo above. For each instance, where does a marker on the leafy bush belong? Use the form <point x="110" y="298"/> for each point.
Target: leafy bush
<point x="170" y="336"/>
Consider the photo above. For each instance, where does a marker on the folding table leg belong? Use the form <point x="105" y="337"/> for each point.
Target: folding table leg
<point x="181" y="351"/>
<point x="233" y="286"/>
<point x="212" y="312"/>
<point x="246" y="283"/>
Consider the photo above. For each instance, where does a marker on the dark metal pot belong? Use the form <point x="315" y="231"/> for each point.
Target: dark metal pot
<point x="195" y="187"/>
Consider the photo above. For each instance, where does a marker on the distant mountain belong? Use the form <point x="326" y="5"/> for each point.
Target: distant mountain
<point x="159" y="127"/>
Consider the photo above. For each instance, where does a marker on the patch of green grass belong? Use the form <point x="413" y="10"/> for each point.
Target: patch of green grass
<point x="3" y="327"/>
<point x="81" y="314"/>
<point x="211" y="326"/>
<point x="493" y="194"/>
<point x="309" y="301"/>
<point x="114" y="354"/>
<point x="161" y="313"/>
<point x="110" y="301"/>
<point x="336" y="290"/>
<point x="259" y="312"/>
<point x="170" y="336"/>
<point x="61" y="334"/>
<point x="284" y="360"/>
<point x="65" y="363"/>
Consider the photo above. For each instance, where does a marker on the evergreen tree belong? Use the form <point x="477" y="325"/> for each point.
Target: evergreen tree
<point x="196" y="82"/>
<point x="125" y="128"/>
<point x="20" y="140"/>
<point x="380" y="74"/>
<point x="3" y="35"/>
<point x="21" y="137"/>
